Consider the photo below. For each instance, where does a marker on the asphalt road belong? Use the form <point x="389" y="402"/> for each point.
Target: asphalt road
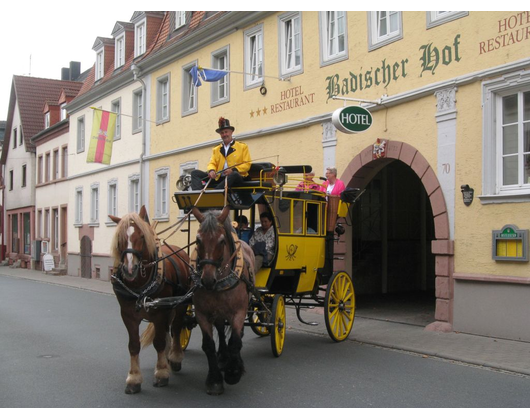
<point x="66" y="347"/>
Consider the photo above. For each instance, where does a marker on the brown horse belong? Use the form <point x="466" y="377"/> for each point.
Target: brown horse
<point x="225" y="270"/>
<point x="144" y="269"/>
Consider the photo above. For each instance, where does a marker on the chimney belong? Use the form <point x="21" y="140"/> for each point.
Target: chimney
<point x="71" y="73"/>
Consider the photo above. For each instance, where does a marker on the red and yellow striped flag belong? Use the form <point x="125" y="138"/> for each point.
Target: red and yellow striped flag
<point x="103" y="128"/>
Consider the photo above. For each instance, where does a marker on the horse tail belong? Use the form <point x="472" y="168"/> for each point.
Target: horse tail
<point x="148" y="336"/>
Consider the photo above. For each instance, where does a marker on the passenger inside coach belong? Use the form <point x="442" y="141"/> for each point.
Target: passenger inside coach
<point x="333" y="185"/>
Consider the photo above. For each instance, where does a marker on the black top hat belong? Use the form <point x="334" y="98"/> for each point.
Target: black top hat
<point x="223" y="124"/>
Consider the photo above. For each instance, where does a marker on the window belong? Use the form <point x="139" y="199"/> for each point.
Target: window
<point x="15" y="140"/>
<point x="11" y="180"/>
<point x="94" y="203"/>
<point x="137" y="122"/>
<point x="15" y="244"/>
<point x="26" y="220"/>
<point x="180" y="19"/>
<point x="119" y="50"/>
<point x="139" y="38"/>
<point x="24" y="180"/>
<point x="439" y="18"/>
<point x="134" y="193"/>
<point x="506" y="140"/>
<point x="65" y="162"/>
<point x="39" y="224"/>
<point x="161" y="193"/>
<point x="383" y="28"/>
<point x="514" y="139"/>
<point x="162" y="99"/>
<point x="40" y="169"/>
<point x="112" y="207"/>
<point x="189" y="91"/>
<point x="290" y="38"/>
<point x="78" y="206"/>
<point x="47" y="120"/>
<point x="221" y="89"/>
<point x="64" y="114"/>
<point x="21" y="137"/>
<point x="56" y="164"/>
<point x="47" y="167"/>
<point x="116" y="108"/>
<point x="55" y="230"/>
<point x="47" y="223"/>
<point x="80" y="134"/>
<point x="333" y="37"/>
<point x="254" y="57"/>
<point x="100" y="62"/>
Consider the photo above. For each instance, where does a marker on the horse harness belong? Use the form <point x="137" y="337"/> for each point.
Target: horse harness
<point x="236" y="272"/>
<point x="156" y="281"/>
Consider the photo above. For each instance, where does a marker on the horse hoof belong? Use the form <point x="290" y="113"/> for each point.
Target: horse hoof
<point x="133" y="388"/>
<point x="175" y="366"/>
<point x="233" y="377"/>
<point x="160" y="382"/>
<point x="215" y="389"/>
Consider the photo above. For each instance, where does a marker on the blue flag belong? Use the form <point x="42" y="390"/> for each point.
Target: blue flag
<point x="208" y="75"/>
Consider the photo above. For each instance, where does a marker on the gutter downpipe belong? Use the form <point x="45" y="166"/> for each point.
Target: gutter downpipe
<point x="136" y="73"/>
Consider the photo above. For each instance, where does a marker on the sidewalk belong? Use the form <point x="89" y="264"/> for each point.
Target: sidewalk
<point x="508" y="355"/>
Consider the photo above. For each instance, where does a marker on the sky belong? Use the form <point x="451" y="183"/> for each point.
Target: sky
<point x="41" y="43"/>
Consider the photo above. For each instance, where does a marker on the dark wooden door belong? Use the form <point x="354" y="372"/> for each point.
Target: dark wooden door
<point x="86" y="257"/>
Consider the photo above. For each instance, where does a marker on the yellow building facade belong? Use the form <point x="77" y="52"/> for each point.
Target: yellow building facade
<point x="445" y="163"/>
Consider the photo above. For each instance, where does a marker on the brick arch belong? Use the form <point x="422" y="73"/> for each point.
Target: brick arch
<point x="360" y="172"/>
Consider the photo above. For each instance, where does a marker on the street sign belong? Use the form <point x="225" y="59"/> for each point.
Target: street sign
<point x="352" y="119"/>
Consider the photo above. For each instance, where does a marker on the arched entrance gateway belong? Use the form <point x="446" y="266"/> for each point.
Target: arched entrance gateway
<point x="398" y="245"/>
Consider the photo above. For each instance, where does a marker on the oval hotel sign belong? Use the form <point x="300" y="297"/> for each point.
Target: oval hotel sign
<point x="352" y="119"/>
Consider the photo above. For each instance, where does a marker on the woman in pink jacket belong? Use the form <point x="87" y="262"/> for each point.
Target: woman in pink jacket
<point x="332" y="186"/>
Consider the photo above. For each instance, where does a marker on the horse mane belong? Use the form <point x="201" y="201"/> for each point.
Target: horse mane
<point x="119" y="241"/>
<point x="211" y="224"/>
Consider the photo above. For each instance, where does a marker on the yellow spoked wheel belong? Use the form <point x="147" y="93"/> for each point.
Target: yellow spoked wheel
<point x="280" y="325"/>
<point x="339" y="306"/>
<point x="185" y="332"/>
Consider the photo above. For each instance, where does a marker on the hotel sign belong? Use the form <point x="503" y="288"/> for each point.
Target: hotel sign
<point x="352" y="119"/>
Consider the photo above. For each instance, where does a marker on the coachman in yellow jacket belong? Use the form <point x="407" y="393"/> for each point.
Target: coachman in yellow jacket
<point x="230" y="160"/>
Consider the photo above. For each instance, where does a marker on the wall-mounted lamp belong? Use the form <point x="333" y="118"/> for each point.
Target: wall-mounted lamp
<point x="467" y="194"/>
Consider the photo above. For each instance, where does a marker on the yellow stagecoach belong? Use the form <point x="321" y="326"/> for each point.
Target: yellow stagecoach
<point x="301" y="272"/>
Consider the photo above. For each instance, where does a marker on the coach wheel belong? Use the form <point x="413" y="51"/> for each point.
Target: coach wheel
<point x="279" y="325"/>
<point x="256" y="318"/>
<point x="185" y="332"/>
<point x="339" y="306"/>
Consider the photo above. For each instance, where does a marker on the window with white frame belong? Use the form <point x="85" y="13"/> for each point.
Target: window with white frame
<point x="15" y="131"/>
<point x="161" y="193"/>
<point x="162" y="99"/>
<point x="333" y="37"/>
<point x="180" y="19"/>
<point x="55" y="229"/>
<point x="506" y="139"/>
<point x="115" y="106"/>
<point x="47" y="120"/>
<point x="56" y="164"/>
<point x="80" y="134"/>
<point x="100" y="63"/>
<point x="112" y="202"/>
<point x="290" y="38"/>
<point x="94" y="203"/>
<point x="64" y="114"/>
<point x="139" y="38"/>
<point x="514" y="139"/>
<point x="439" y="18"/>
<point x="254" y="57"/>
<point x="78" y="206"/>
<point x="134" y="193"/>
<point x="221" y="89"/>
<point x="119" y="51"/>
<point x="65" y="162"/>
<point x="189" y="91"/>
<point x="137" y="121"/>
<point x="47" y="167"/>
<point x="383" y="28"/>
